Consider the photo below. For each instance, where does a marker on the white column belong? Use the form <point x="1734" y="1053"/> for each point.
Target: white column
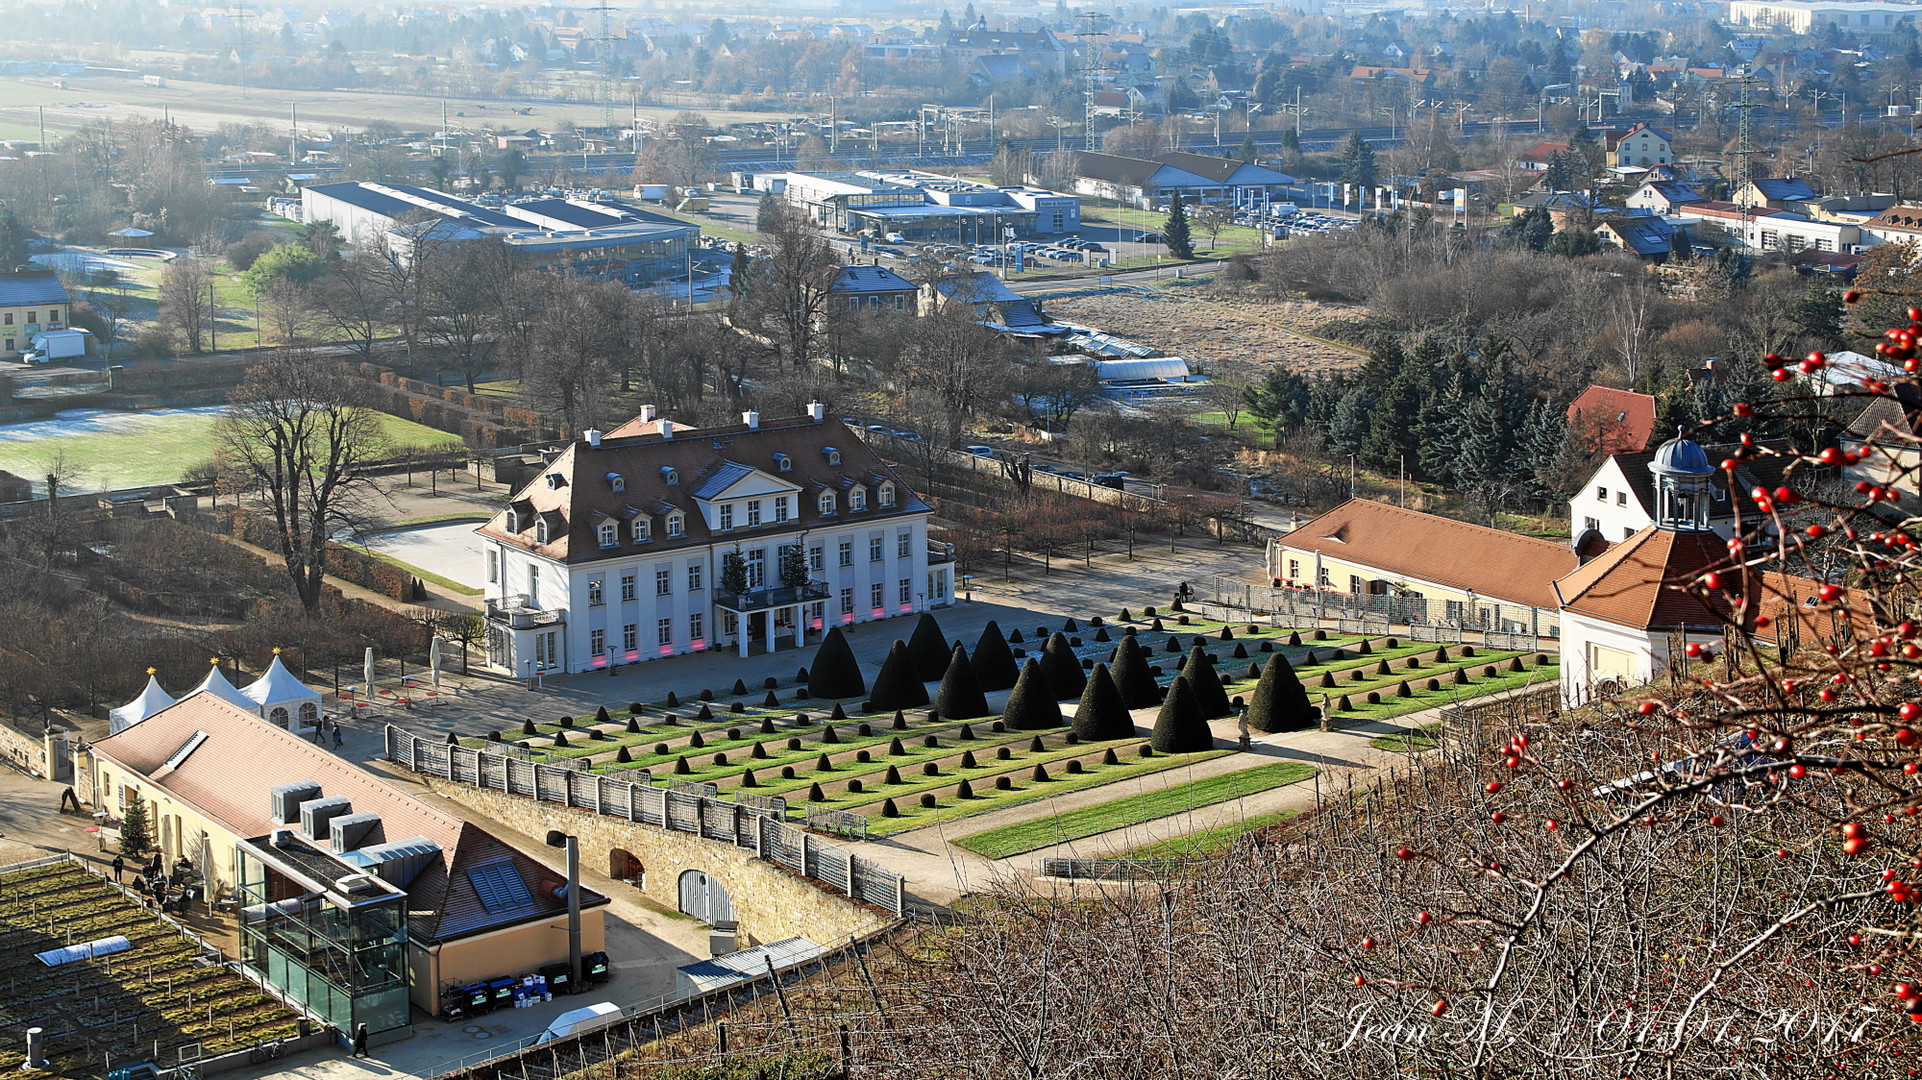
<point x="741" y="633"/>
<point x="769" y="617"/>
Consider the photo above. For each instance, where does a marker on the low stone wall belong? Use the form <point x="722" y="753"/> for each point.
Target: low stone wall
<point x="33" y="754"/>
<point x="770" y="903"/>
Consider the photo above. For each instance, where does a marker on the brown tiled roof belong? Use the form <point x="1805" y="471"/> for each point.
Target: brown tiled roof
<point x="228" y="777"/>
<point x="1883" y="410"/>
<point x="1623" y="419"/>
<point x="1406" y="543"/>
<point x="1640" y="581"/>
<point x="636" y="452"/>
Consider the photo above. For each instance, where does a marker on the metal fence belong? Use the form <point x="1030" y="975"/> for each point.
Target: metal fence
<point x="1236" y="601"/>
<point x="838" y="822"/>
<point x="756" y="825"/>
<point x="1109" y="869"/>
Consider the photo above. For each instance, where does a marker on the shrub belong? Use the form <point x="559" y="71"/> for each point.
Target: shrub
<point x="1468" y="650"/>
<point x="928" y="648"/>
<point x="1402" y="690"/>
<point x="888" y="809"/>
<point x="1280" y="702"/>
<point x="1364" y="649"/>
<point x="1434" y="684"/>
<point x="1101" y="714"/>
<point x="823" y="764"/>
<point x="1003" y="754"/>
<point x="1181" y="727"/>
<point x="770" y="683"/>
<point x="829" y="735"/>
<point x="997" y="727"/>
<point x="1253" y="672"/>
<point x="1321" y="635"/>
<point x="1461" y="676"/>
<point x="767" y="725"/>
<point x="895" y="748"/>
<point x="596" y="734"/>
<point x="1108" y="757"/>
<point x="681" y="767"/>
<point x="794" y="744"/>
<point x="740" y="686"/>
<point x="661" y="748"/>
<point x="705" y="713"/>
<point x="528" y="728"/>
<point x="992" y="660"/>
<point x="1016" y="638"/>
<point x="1441" y="655"/>
<point x="633" y="725"/>
<point x="1173" y="645"/>
<point x="1003" y="783"/>
<point x="1210" y="696"/>
<point x="893" y="776"/>
<point x="1294" y="637"/>
<point x="601" y="717"/>
<point x="964" y="790"/>
<point x="863" y="756"/>
<point x="787" y="772"/>
<point x="1327" y="680"/>
<point x="966" y="733"/>
<point x="1181" y="620"/>
<point x="800" y="676"/>
<point x="748" y="780"/>
<point x="1156" y="625"/>
<point x="1031" y="706"/>
<point x="1344" y="704"/>
<point x="815" y="794"/>
<point x="759" y="752"/>
<point x="1225" y="635"/>
<point x="623" y="757"/>
<point x="1413" y="662"/>
<point x="960" y="695"/>
<point x="928" y="801"/>
<point x="865" y="730"/>
<point x="493" y="736"/>
<point x="1382" y="668"/>
<point x="1514" y="663"/>
<point x="1131" y="676"/>
<point x="672" y="701"/>
<point x="1339" y="656"/>
<point x="930" y="741"/>
<point x="1074" y="767"/>
<point x="1062" y="668"/>
<point x="1040" y="774"/>
<point x="1488" y="672"/>
<point x="720" y="759"/>
<point x="835" y="673"/>
<point x="1036" y="746"/>
<point x="1241" y="651"/>
<point x="1374" y="698"/>
<point x="967" y="759"/>
<point x="707" y="695"/>
<point x="1125" y="616"/>
<point x="1101" y="634"/>
<point x="1267" y="646"/>
<point x="696" y="741"/>
<point x="900" y="721"/>
<point x="838" y="713"/>
<point x="1146" y="750"/>
<point x="566" y="721"/>
<point x="930" y="769"/>
<point x="854" y="787"/>
<point x="560" y="739"/>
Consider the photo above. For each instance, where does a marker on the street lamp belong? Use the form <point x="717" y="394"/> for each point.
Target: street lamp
<point x="572" y="843"/>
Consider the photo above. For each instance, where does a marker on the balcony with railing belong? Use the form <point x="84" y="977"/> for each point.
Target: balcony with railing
<point x="776" y="596"/>
<point x="515" y="613"/>
<point x="939" y="553"/>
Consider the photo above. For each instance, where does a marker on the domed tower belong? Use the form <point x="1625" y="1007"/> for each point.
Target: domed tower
<point x="1684" y="486"/>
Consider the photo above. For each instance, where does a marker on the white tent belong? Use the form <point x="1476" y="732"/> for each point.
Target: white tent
<point x="284" y="700"/>
<point x="216" y="684"/>
<point x="151" y="700"/>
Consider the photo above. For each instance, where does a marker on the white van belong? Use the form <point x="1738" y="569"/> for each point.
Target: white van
<point x="576" y="1021"/>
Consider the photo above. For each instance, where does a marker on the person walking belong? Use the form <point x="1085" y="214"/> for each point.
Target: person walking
<point x="338" y="741"/>
<point x="119" y="867"/>
<point x="360" y="1040"/>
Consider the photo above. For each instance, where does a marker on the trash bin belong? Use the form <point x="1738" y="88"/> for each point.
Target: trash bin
<point x="502" y="991"/>
<point x="559" y="978"/>
<point x="595" y="969"/>
<point x="477" y="998"/>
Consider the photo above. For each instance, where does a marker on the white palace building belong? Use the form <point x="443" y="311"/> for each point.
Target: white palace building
<point x="620" y="550"/>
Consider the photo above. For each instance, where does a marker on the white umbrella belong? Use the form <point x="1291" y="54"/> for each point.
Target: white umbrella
<point x="367" y="670"/>
<point x="433" y="661"/>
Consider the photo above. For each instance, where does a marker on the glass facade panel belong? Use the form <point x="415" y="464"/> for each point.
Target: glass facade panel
<point x="346" y="963"/>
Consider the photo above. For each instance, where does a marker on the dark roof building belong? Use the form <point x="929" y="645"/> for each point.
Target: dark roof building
<point x="31" y="288"/>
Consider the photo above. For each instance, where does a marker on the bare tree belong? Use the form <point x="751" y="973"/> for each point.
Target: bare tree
<point x="185" y="301"/>
<point x="353" y="299"/>
<point x="467" y="290"/>
<point x="293" y="444"/>
<point x="796" y="275"/>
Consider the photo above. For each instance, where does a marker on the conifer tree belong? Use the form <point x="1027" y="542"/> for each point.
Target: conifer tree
<point x="136" y="835"/>
<point x="992" y="660"/>
<point x="928" y="647"/>
<point x="959" y="696"/>
<point x="1210" y="696"/>
<point x="1062" y="668"/>
<point x="1280" y="702"/>
<point x="1131" y="675"/>
<point x="834" y="672"/>
<point x="1175" y="232"/>
<point x="1101" y="715"/>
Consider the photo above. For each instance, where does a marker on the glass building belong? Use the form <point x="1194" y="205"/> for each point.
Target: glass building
<point x="330" y="937"/>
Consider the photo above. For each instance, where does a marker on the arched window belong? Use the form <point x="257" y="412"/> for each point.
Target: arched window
<point x="827" y="502"/>
<point x="609" y="534"/>
<point x="641" y="529"/>
<point x="675" y="526"/>
<point x="309" y="713"/>
<point x="887" y="495"/>
<point x="858" y="499"/>
<point x="278" y="714"/>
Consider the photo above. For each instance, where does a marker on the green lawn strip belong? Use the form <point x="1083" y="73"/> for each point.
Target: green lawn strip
<point x="986" y="768"/>
<point x="1213" y="841"/>
<point x="1133" y="810"/>
<point x="425" y="575"/>
<point x="1414" y="677"/>
<point x="1417" y="739"/>
<point x="1449" y="694"/>
<point x="917" y="817"/>
<point x="714" y="735"/>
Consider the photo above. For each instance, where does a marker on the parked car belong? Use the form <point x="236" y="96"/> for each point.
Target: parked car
<point x="980" y="451"/>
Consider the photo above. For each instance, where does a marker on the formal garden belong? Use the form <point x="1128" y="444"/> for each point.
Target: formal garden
<point x="1087" y="704"/>
<point x="145" y="1003"/>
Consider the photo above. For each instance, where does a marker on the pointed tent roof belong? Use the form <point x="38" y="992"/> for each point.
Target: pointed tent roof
<point x="216" y="684"/>
<point x="278" y="687"/>
<point x="151" y="700"/>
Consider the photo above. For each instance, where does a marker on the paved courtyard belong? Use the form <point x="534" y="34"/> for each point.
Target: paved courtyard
<point x="452" y="550"/>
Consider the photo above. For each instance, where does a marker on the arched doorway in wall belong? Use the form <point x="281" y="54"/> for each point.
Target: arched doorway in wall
<point x="622" y="865"/>
<point x="705" y="899"/>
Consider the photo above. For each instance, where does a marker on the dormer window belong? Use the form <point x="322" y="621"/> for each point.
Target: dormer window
<point x="887" y="495"/>
<point x="670" y="477"/>
<point x="827" y="502"/>
<point x="616" y="482"/>
<point x="514" y="523"/>
<point x="833" y="455"/>
<point x="858" y="499"/>
<point x="610" y="535"/>
<point x="642" y="530"/>
<point x="676" y="525"/>
<point x="555" y="481"/>
<point x="780" y="508"/>
<point x="783" y="463"/>
<point x="545" y="530"/>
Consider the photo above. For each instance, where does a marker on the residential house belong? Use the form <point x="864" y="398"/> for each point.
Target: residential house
<point x="995" y="305"/>
<point x="1605" y="420"/>
<point x="1663" y="196"/>
<point x="1037" y="48"/>
<point x="1540" y="156"/>
<point x="658" y="539"/>
<point x="1619" y="498"/>
<point x="1466" y="574"/>
<point x="1639" y="145"/>
<point x="1778" y="193"/>
<point x="1897" y="224"/>
<point x="872" y="289"/>
<point x="1647" y="238"/>
<point x="30" y="301"/>
<point x="327" y="859"/>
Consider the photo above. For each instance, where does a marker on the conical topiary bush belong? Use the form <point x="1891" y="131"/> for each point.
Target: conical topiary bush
<point x="1131" y="676"/>
<point x="1294" y="637"/>
<point x="1108" y="757"/>
<point x="895" y="748"/>
<point x="1181" y="728"/>
<point x="1327" y="680"/>
<point x="893" y="775"/>
<point x="898" y="686"/>
<point x="959" y="696"/>
<point x="1210" y="696"/>
<point x="623" y="756"/>
<point x="815" y="794"/>
<point x="1101" y="715"/>
<point x="1226" y="634"/>
<point x="838" y="713"/>
<point x="681" y="767"/>
<point x="1279" y="702"/>
<point x="993" y="661"/>
<point x="888" y="809"/>
<point x="1063" y="669"/>
<point x="1032" y="706"/>
<point x="900" y="721"/>
<point x="1364" y="649"/>
<point x="748" y="779"/>
<point x="964" y="790"/>
<point x="1461" y="676"/>
<point x="834" y="672"/>
<point x="928" y="648"/>
<point x="1402" y="690"/>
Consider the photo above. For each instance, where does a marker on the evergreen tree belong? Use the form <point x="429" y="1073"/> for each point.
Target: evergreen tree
<point x="1101" y="715"/>
<point x="1681" y="246"/>
<point x="765" y="210"/>
<point x="1290" y="142"/>
<point x="992" y="660"/>
<point x="1031" y="707"/>
<point x="14" y="252"/>
<point x="1357" y="162"/>
<point x="959" y="696"/>
<point x="1394" y="426"/>
<point x="929" y="648"/>
<point x="1210" y="696"/>
<point x="1734" y="267"/>
<point x="1280" y="702"/>
<point x="1532" y="229"/>
<point x="834" y="672"/>
<point x="1483" y="459"/>
<point x="1175" y="232"/>
<point x="1248" y="148"/>
<point x="1062" y="667"/>
<point x="1179" y="727"/>
<point x="1280" y="399"/>
<point x="1541" y="449"/>
<point x="1818" y="314"/>
<point x="1443" y="431"/>
<point x="898" y="686"/>
<point x="1350" y="423"/>
<point x="1131" y="676"/>
<point x="1574" y="243"/>
<point x="136" y="835"/>
<point x="740" y="275"/>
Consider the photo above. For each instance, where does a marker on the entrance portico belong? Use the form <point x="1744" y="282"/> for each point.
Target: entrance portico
<point x="772" y="613"/>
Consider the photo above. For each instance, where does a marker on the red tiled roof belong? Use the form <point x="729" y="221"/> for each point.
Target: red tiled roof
<point x="1406" y="543"/>
<point x="638" y="455"/>
<point x="1543" y="151"/>
<point x="1621" y="419"/>
<point x="1641" y="582"/>
<point x="228" y="777"/>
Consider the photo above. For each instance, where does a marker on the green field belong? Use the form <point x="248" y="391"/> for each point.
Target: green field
<point x="1133" y="810"/>
<point x="1213" y="841"/>
<point x="106" y="450"/>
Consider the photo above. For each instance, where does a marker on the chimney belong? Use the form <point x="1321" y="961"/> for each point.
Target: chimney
<point x="817" y="412"/>
<point x="751" y="419"/>
<point x="649" y="414"/>
<point x="594" y="437"/>
<point x="667" y="429"/>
